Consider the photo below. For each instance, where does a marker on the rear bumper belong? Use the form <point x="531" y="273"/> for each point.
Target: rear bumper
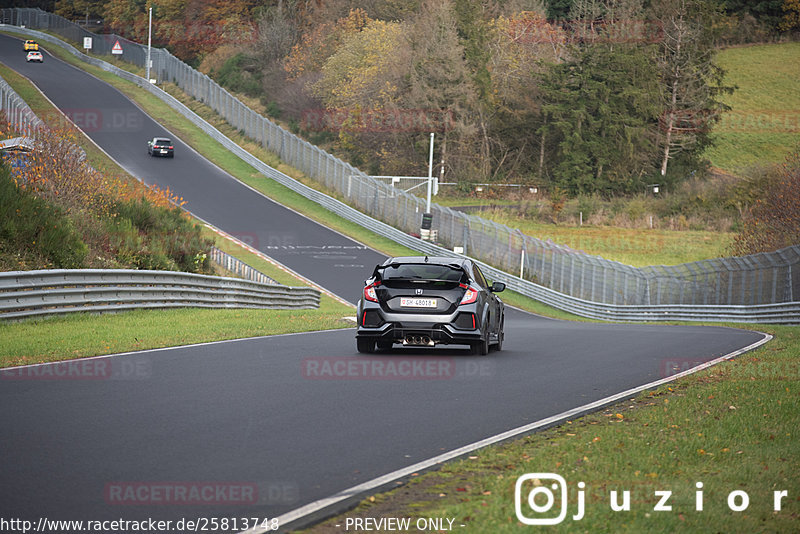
<point x="394" y="327"/>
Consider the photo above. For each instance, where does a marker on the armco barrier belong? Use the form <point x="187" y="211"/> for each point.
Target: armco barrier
<point x="59" y="291"/>
<point x="238" y="267"/>
<point x="559" y="266"/>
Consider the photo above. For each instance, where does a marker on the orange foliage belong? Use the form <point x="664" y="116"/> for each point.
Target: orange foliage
<point x="774" y="221"/>
<point x="58" y="172"/>
<point x="322" y="42"/>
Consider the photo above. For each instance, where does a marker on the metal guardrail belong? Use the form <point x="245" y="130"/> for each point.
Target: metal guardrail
<point x="237" y="266"/>
<point x="59" y="291"/>
<point x="17" y="111"/>
<point x="785" y="314"/>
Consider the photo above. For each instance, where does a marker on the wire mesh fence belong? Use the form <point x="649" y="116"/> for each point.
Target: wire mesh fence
<point x="750" y="280"/>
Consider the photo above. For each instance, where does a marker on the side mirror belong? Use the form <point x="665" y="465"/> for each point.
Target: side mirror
<point x="497" y="287"/>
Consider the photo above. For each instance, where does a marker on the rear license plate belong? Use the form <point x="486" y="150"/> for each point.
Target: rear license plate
<point x="417" y="303"/>
<point x="164" y="151"/>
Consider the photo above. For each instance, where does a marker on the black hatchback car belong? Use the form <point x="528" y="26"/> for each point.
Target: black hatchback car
<point x="427" y="301"/>
<point x="161" y="146"/>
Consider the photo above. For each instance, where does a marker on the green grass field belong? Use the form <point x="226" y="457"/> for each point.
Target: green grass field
<point x="763" y="125"/>
<point x="631" y="246"/>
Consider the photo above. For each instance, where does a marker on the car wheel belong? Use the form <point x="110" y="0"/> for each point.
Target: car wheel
<point x="384" y="345"/>
<point x="501" y="335"/>
<point x="365" y="345"/>
<point x="481" y="347"/>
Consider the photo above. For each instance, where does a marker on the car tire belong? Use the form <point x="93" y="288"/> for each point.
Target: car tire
<point x="500" y="335"/>
<point x="384" y="345"/>
<point x="365" y="345"/>
<point x="481" y="347"/>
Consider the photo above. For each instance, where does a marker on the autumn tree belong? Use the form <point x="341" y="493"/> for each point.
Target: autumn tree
<point x="79" y="9"/>
<point x="439" y="80"/>
<point x="690" y="80"/>
<point x="521" y="45"/>
<point x="395" y="82"/>
<point x="189" y="28"/>
<point x="791" y="16"/>
<point x="773" y="222"/>
<point x="319" y="43"/>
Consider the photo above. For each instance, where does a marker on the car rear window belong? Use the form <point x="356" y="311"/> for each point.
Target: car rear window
<point x="422" y="272"/>
<point x="163" y="142"/>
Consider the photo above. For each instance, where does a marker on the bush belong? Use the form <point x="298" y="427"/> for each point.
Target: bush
<point x="32" y="228"/>
<point x="588" y="205"/>
<point x="151" y="237"/>
<point x="240" y="75"/>
<point x="774" y="221"/>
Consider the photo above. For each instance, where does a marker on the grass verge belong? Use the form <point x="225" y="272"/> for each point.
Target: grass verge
<point x="733" y="427"/>
<point x="43" y="109"/>
<point x="82" y="334"/>
<point x="764" y="121"/>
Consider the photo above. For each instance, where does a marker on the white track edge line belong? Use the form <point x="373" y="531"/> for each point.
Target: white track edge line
<point x="318" y="505"/>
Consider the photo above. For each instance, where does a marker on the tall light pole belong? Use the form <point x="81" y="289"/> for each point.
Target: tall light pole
<point x="149" y="41"/>
<point x="430" y="176"/>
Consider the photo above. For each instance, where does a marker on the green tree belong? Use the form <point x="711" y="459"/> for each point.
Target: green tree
<point x="601" y="106"/>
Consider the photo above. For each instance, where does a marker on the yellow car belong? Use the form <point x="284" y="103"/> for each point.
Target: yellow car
<point x="31" y="45"/>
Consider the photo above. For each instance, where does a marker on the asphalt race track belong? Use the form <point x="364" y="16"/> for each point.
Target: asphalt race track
<point x="122" y="129"/>
<point x="271" y="424"/>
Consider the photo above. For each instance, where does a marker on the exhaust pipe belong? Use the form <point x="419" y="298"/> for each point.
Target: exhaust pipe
<point x="421" y="341"/>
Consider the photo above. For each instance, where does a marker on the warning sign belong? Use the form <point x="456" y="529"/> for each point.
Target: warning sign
<point x="116" y="49"/>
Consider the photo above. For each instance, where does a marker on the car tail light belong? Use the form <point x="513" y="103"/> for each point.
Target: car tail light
<point x="170" y="147"/>
<point x="470" y="296"/>
<point x="369" y="292"/>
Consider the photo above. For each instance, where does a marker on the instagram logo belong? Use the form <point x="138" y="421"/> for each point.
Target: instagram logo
<point x="540" y="492"/>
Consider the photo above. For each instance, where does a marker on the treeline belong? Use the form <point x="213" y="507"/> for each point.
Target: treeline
<point x="58" y="212"/>
<point x="578" y="96"/>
